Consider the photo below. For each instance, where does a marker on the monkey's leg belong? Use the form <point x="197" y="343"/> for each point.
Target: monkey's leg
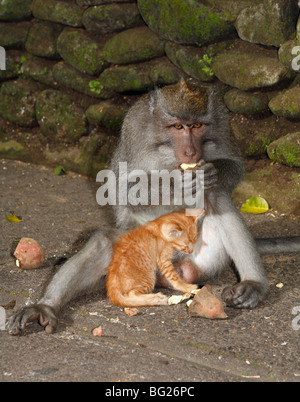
<point x="80" y="273"/>
<point x="168" y="270"/>
<point x="241" y="247"/>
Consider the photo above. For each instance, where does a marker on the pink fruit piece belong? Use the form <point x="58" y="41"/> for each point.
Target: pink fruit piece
<point x="97" y="331"/>
<point x="206" y="304"/>
<point x="29" y="253"/>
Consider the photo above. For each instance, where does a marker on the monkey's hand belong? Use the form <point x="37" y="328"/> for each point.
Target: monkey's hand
<point x="204" y="182"/>
<point x="210" y="176"/>
<point x="45" y="314"/>
<point x="245" y="294"/>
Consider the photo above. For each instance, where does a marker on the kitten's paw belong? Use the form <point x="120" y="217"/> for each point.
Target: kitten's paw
<point x="161" y="299"/>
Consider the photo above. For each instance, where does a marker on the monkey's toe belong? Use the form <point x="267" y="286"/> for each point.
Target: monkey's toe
<point x="246" y="294"/>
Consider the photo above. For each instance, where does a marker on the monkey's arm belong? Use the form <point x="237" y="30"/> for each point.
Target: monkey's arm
<point x="241" y="247"/>
<point x="230" y="172"/>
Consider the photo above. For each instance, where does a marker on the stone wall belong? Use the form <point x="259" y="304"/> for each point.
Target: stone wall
<point x="73" y="68"/>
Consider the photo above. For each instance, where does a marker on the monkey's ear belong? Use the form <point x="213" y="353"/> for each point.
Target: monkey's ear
<point x="170" y="231"/>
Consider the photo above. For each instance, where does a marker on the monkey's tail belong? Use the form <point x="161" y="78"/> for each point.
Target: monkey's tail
<point x="278" y="245"/>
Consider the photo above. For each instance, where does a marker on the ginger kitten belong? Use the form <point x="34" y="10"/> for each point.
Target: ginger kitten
<point x="138" y="253"/>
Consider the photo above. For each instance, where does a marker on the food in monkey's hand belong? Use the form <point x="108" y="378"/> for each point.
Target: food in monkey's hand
<point x="191" y="166"/>
<point x="29" y="254"/>
<point x="188" y="166"/>
<point x="206" y="304"/>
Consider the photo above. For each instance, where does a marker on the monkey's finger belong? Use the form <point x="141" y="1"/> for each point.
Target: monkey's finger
<point x="14" y="325"/>
<point x="43" y="313"/>
<point x="201" y="163"/>
<point x="210" y="183"/>
<point x="18" y="322"/>
<point x="48" y="319"/>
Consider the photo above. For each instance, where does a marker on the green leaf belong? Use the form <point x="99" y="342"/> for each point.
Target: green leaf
<point x="59" y="170"/>
<point x="255" y="205"/>
<point x="13" y="217"/>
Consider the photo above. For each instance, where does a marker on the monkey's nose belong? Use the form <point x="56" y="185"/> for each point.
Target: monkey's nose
<point x="190" y="152"/>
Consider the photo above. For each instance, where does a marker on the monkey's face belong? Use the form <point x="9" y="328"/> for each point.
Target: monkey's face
<point x="187" y="137"/>
<point x="179" y="117"/>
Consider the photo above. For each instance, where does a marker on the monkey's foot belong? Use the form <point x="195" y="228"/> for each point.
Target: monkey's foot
<point x="246" y="294"/>
<point x="45" y="314"/>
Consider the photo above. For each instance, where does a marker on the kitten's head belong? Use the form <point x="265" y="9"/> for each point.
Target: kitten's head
<point x="181" y="230"/>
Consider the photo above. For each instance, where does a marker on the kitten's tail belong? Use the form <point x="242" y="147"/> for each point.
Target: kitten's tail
<point x="134" y="298"/>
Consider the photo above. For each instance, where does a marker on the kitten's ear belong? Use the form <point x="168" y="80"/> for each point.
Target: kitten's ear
<point x="197" y="214"/>
<point x="170" y="231"/>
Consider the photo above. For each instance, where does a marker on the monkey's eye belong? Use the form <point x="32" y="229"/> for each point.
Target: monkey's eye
<point x="178" y="126"/>
<point x="197" y="125"/>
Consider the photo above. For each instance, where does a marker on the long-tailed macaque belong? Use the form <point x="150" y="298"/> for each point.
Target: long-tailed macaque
<point x="165" y="128"/>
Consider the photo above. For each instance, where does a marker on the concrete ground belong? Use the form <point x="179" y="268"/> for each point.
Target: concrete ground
<point x="158" y="344"/>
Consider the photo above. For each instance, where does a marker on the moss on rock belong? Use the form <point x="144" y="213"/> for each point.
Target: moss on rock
<point x="11" y="10"/>
<point x="187" y="21"/>
<point x="239" y="101"/>
<point x="82" y="52"/>
<point x="250" y="69"/>
<point x="132" y="46"/>
<point x="39" y="69"/>
<point x="47" y="30"/>
<point x="59" y="117"/>
<point x="286" y="150"/>
<point x="13" y="65"/>
<point x="13" y="35"/>
<point x="107" y="114"/>
<point x="83" y="83"/>
<point x="17" y="100"/>
<point x="195" y="61"/>
<point x="140" y="77"/>
<point x="92" y="154"/>
<point x="110" y="18"/>
<point x="287" y="103"/>
<point x="66" y="13"/>
<point x="269" y="23"/>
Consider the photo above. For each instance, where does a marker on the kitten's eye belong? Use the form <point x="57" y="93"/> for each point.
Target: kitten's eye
<point x="178" y="126"/>
<point x="197" y="125"/>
